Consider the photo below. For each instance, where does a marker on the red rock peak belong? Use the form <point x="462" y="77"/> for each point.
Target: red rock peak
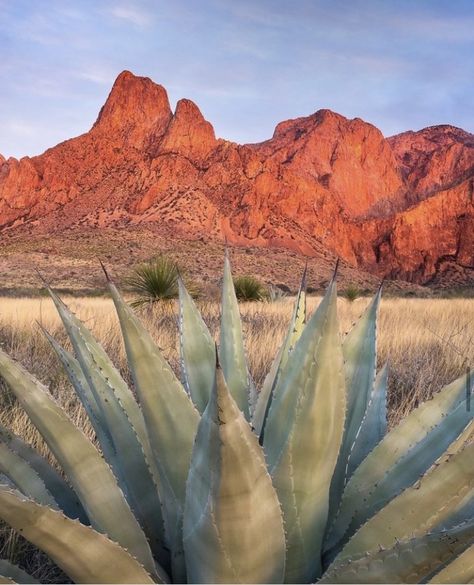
<point x="189" y="133"/>
<point x="137" y="109"/>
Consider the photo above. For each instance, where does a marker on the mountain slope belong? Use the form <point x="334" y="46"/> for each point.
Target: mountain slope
<point x="400" y="207"/>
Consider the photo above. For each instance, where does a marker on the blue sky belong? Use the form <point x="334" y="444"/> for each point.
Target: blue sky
<point x="400" y="64"/>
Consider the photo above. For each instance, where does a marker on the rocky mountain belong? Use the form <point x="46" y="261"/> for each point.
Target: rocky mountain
<point x="400" y="207"/>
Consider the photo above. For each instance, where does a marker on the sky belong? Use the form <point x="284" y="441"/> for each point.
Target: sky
<point x="399" y="64"/>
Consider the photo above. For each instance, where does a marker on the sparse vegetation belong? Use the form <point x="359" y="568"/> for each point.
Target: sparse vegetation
<point x="153" y="281"/>
<point x="351" y="293"/>
<point x="276" y="294"/>
<point x="248" y="288"/>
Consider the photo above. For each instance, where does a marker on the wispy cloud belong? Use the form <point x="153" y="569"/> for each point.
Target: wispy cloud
<point x="132" y="13"/>
<point x="263" y="14"/>
<point x="370" y="63"/>
<point x="446" y="28"/>
<point x="99" y="74"/>
<point x="21" y="128"/>
<point x="248" y="64"/>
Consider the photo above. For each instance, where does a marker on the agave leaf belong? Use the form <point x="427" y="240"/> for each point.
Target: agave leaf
<point x="88" y="473"/>
<point x="360" y="357"/>
<point x="24" y="477"/>
<point x="87" y="348"/>
<point x="465" y="513"/>
<point x="80" y="336"/>
<point x="303" y="435"/>
<point x="123" y="449"/>
<point x="55" y="484"/>
<point x="197" y="350"/>
<point x="77" y="379"/>
<point x="232" y="353"/>
<point x="81" y="386"/>
<point x="299" y="311"/>
<point x="265" y="395"/>
<point x="230" y="501"/>
<point x="253" y="396"/>
<point x="423" y="506"/>
<point x="131" y="460"/>
<point x="82" y="553"/>
<point x="137" y="477"/>
<point x="374" y="424"/>
<point x="285" y="397"/>
<point x="171" y="420"/>
<point x="460" y="570"/>
<point x="13" y="574"/>
<point x="401" y="457"/>
<point x="295" y="329"/>
<point x="409" y="561"/>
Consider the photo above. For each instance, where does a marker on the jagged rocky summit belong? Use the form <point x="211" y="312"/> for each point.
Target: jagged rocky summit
<point x="400" y="207"/>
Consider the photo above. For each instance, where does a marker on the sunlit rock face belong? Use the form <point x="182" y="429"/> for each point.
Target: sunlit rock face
<point x="400" y="207"/>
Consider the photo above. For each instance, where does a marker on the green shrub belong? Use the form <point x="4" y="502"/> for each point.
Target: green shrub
<point x="351" y="293"/>
<point x="156" y="280"/>
<point x="249" y="288"/>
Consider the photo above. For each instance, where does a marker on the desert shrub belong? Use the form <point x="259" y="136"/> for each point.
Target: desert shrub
<point x="249" y="288"/>
<point x="351" y="293"/>
<point x="155" y="280"/>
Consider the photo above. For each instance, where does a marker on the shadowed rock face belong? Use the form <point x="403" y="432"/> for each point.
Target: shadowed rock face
<point x="400" y="207"/>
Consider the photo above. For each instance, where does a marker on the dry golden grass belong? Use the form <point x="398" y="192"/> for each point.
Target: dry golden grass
<point x="428" y="343"/>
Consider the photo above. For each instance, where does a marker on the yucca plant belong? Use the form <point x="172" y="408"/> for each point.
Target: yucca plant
<point x="208" y="481"/>
<point x="249" y="288"/>
<point x="153" y="281"/>
<point x="352" y="293"/>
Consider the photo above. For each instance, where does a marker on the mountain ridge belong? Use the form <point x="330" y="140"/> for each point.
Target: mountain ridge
<point x="398" y="207"/>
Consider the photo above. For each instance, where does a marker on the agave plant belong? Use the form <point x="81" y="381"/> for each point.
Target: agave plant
<point x="208" y="481"/>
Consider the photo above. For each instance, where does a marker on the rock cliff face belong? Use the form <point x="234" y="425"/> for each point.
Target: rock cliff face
<point x="400" y="207"/>
<point x="434" y="159"/>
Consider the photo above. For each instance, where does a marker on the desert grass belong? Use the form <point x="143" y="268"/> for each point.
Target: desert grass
<point x="427" y="343"/>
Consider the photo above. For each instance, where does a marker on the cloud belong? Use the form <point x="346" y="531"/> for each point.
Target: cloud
<point x="443" y="29"/>
<point x="132" y="13"/>
<point x="20" y="128"/>
<point x="360" y="61"/>
<point x="270" y="16"/>
<point x="59" y="25"/>
<point x="246" y="46"/>
<point x="101" y="75"/>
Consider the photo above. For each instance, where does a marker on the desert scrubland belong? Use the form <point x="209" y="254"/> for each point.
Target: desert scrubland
<point x="427" y="343"/>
